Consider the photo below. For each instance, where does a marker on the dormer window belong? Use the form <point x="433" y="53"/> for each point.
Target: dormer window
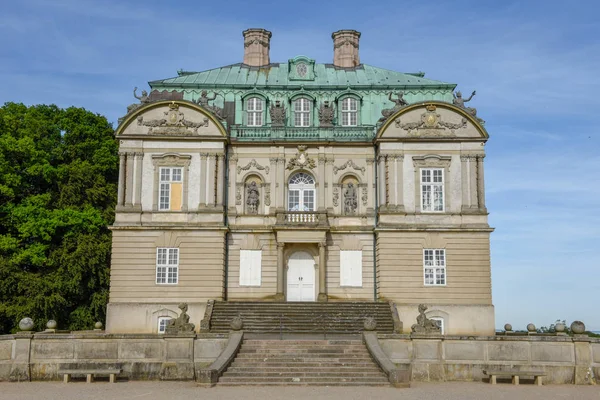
<point x="302" y="108"/>
<point x="301" y="70"/>
<point x="349" y="111"/>
<point x="254" y="111"/>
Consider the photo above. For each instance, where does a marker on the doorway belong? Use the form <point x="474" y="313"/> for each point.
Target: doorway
<point x="301" y="277"/>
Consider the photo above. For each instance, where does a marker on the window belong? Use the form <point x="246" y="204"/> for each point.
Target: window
<point x="167" y="265"/>
<point x="349" y="112"/>
<point x="301" y="70"/>
<point x="440" y="323"/>
<point x="302" y="112"/>
<point x="254" y="109"/>
<point x="434" y="265"/>
<point x="162" y="324"/>
<point x="301" y="193"/>
<point x="250" y="267"/>
<point x="171" y="189"/>
<point x="350" y="267"/>
<point x="432" y="189"/>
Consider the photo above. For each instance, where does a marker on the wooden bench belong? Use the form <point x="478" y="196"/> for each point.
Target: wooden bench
<point x="90" y="372"/>
<point x="537" y="375"/>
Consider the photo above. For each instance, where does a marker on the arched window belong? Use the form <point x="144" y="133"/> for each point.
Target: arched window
<point x="254" y="111"/>
<point x="301" y="192"/>
<point x="302" y="108"/>
<point x="349" y="110"/>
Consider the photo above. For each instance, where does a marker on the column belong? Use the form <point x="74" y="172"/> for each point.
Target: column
<point x="330" y="182"/>
<point x="473" y="182"/>
<point x="381" y="179"/>
<point x="393" y="182"/>
<point x="129" y="180"/>
<point x="480" y="184"/>
<point x="321" y="180"/>
<point x="465" y="182"/>
<point x="282" y="183"/>
<point x="210" y="179"/>
<point x="139" y="157"/>
<point x="280" y="268"/>
<point x="322" y="276"/>
<point x="220" y="178"/>
<point x="203" y="157"/>
<point x="370" y="189"/>
<point x="400" y="182"/>
<point x="233" y="158"/>
<point x="121" y="187"/>
<point x="273" y="179"/>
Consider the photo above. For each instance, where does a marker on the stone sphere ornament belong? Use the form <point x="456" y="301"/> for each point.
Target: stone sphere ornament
<point x="370" y="324"/>
<point x="26" y="324"/>
<point x="560" y="327"/>
<point x="237" y="323"/>
<point x="531" y="328"/>
<point x="51" y="324"/>
<point x="508" y="327"/>
<point x="577" y="327"/>
<point x="98" y="325"/>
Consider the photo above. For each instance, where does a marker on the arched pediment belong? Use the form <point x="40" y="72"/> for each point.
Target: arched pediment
<point x="431" y="120"/>
<point x="171" y="119"/>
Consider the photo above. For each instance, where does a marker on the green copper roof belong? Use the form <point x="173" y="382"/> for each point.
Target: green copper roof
<point x="277" y="75"/>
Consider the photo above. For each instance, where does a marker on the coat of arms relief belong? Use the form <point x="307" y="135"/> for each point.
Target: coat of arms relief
<point x="431" y="124"/>
<point x="301" y="160"/>
<point x="173" y="123"/>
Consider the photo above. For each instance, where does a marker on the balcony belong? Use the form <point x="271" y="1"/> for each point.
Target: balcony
<point x="333" y="134"/>
<point x="302" y="219"/>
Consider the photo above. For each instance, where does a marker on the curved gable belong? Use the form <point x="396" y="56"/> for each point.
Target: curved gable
<point x="431" y="120"/>
<point x="172" y="119"/>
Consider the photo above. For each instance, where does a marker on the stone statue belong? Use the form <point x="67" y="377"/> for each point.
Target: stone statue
<point x="424" y="324"/>
<point x="180" y="324"/>
<point x="277" y="112"/>
<point x="144" y="99"/>
<point x="326" y="114"/>
<point x="203" y="100"/>
<point x="350" y="199"/>
<point x="252" y="198"/>
<point x="460" y="102"/>
<point x="399" y="102"/>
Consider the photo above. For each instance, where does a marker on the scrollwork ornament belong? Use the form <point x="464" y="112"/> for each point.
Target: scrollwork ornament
<point x="254" y="164"/>
<point x="336" y="196"/>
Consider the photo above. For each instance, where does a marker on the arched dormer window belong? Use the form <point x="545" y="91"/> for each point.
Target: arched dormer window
<point x="302" y="111"/>
<point x="301" y="192"/>
<point x="254" y="111"/>
<point x="349" y="111"/>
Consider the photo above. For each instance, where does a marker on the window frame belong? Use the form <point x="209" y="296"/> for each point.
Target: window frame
<point x="167" y="184"/>
<point x="305" y="114"/>
<point x="302" y="189"/>
<point x="436" y="269"/>
<point x="168" y="269"/>
<point x="349" y="112"/>
<point x="255" y="253"/>
<point x="253" y="114"/>
<point x="159" y="321"/>
<point x="432" y="185"/>
<point x="347" y="282"/>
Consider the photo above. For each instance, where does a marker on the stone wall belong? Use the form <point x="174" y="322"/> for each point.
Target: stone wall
<point x="459" y="358"/>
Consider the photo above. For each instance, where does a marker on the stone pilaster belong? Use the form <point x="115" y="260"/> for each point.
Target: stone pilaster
<point x="211" y="194"/>
<point x="273" y="164"/>
<point x="370" y="186"/>
<point x="480" y="184"/>
<point x="129" y="179"/>
<point x="137" y="184"/>
<point x="322" y="181"/>
<point x="122" y="172"/>
<point x="322" y="273"/>
<point x="281" y="196"/>
<point x="203" y="177"/>
<point x="382" y="178"/>
<point x="330" y="183"/>
<point x="220" y="181"/>
<point x="280" y="272"/>
<point x="399" y="182"/>
<point x="233" y="159"/>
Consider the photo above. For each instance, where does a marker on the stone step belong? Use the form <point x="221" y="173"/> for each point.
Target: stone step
<point x="298" y="349"/>
<point x="225" y="379"/>
<point x="306" y="374"/>
<point x="302" y="368"/>
<point x="254" y="383"/>
<point x="303" y="342"/>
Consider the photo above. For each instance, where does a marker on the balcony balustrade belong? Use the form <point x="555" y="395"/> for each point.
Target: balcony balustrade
<point x="302" y="218"/>
<point x="338" y="133"/>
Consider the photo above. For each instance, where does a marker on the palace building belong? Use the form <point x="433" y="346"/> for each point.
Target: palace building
<point x="299" y="181"/>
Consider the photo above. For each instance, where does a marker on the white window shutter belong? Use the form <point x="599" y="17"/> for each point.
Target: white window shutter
<point x="351" y="267"/>
<point x="250" y="267"/>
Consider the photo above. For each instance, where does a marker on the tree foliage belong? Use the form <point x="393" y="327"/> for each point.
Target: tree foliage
<point x="58" y="185"/>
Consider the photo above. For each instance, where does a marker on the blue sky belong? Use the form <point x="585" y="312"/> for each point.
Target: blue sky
<point x="534" y="65"/>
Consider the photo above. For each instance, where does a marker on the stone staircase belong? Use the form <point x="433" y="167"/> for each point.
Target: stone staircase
<point x="303" y="363"/>
<point x="302" y="317"/>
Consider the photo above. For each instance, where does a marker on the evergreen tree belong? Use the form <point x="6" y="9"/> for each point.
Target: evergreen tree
<point x="58" y="185"/>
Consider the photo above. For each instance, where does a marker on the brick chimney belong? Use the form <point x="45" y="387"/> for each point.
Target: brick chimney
<point x="257" y="43"/>
<point x="345" y="48"/>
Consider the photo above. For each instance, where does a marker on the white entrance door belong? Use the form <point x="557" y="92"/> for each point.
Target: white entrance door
<point x="301" y="277"/>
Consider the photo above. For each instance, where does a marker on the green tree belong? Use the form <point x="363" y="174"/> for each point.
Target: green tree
<point x="58" y="177"/>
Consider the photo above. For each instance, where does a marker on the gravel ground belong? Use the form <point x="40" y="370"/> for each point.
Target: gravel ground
<point x="188" y="390"/>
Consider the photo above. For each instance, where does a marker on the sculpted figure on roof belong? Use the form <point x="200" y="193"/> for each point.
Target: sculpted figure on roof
<point x="460" y="102"/>
<point x="399" y="102"/>
<point x="203" y="100"/>
<point x="144" y="99"/>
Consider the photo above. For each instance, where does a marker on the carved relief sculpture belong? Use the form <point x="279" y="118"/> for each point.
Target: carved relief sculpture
<point x="252" y="198"/>
<point x="350" y="199"/>
<point x="144" y="99"/>
<point x="431" y="124"/>
<point x="365" y="195"/>
<point x="174" y="123"/>
<point x="254" y="164"/>
<point x="203" y="100"/>
<point x="301" y="160"/>
<point x="326" y="114"/>
<point x="347" y="164"/>
<point x="277" y="112"/>
<point x="180" y="324"/>
<point x="267" y="195"/>
<point x="399" y="102"/>
<point x="336" y="196"/>
<point x="238" y="194"/>
<point x="424" y="324"/>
